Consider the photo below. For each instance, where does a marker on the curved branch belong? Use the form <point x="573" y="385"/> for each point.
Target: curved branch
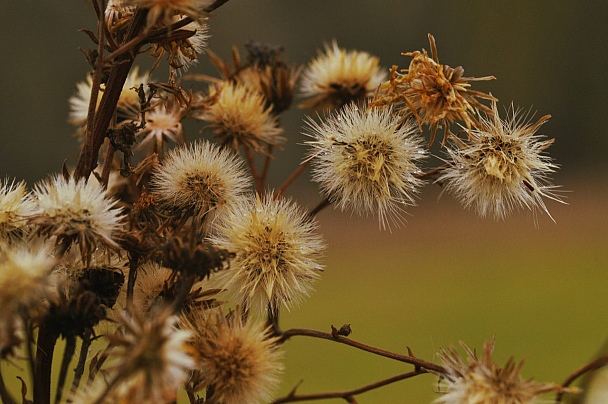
<point x="589" y="367"/>
<point x="420" y="364"/>
<point x="347" y="394"/>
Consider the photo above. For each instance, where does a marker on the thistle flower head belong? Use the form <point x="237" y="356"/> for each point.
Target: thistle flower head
<point x="152" y="358"/>
<point x="15" y="205"/>
<point x="502" y="166"/>
<point x="26" y="277"/>
<point x="128" y="103"/>
<point x="76" y="212"/>
<point x="435" y="94"/>
<point x="199" y="179"/>
<point x="276" y="253"/>
<point x="337" y="77"/>
<point x="366" y="161"/>
<point x="239" y="361"/>
<point x="163" y="124"/>
<point x="189" y="42"/>
<point x="240" y="117"/>
<point x="473" y="380"/>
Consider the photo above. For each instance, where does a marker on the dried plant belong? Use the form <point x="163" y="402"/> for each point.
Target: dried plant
<point x="171" y="262"/>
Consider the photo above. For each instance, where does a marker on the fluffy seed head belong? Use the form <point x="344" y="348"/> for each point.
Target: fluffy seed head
<point x="337" y="77"/>
<point x="163" y="124"/>
<point x="240" y="117"/>
<point x="200" y="179"/>
<point x="153" y="358"/>
<point x="15" y="205"/>
<point x="471" y="380"/>
<point x="366" y="161"/>
<point x="76" y="212"/>
<point x="502" y="166"/>
<point x="276" y="253"/>
<point x="240" y="361"/>
<point x="182" y="53"/>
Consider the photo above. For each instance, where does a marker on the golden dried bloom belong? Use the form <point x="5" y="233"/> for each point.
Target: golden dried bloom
<point x="471" y="380"/>
<point x="276" y="251"/>
<point x="366" y="161"/>
<point x="15" y="205"/>
<point x="152" y="358"/>
<point x="436" y="95"/>
<point x="241" y="362"/>
<point x="185" y="45"/>
<point x="200" y="179"/>
<point x="128" y="103"/>
<point x="76" y="212"/>
<point x="26" y="277"/>
<point x="239" y="117"/>
<point x="502" y="166"/>
<point x="337" y="77"/>
<point x="163" y="124"/>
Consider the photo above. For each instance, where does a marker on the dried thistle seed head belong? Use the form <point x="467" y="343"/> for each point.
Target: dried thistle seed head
<point x="76" y="213"/>
<point x="276" y="250"/>
<point x="436" y="95"/>
<point x="239" y="117"/>
<point x="163" y="124"/>
<point x="152" y="358"/>
<point x="338" y="77"/>
<point x="200" y="179"/>
<point x="128" y="104"/>
<point x="117" y="15"/>
<point x="502" y="166"/>
<point x="365" y="161"/>
<point x="183" y="45"/>
<point x="473" y="380"/>
<point x="15" y="204"/>
<point x="239" y="362"/>
<point x="26" y="277"/>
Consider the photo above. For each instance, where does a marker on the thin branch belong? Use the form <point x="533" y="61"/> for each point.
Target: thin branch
<point x="347" y="394"/>
<point x="432" y="173"/>
<point x="589" y="367"/>
<point x="419" y="363"/>
<point x="294" y="175"/>
<point x="322" y="205"/>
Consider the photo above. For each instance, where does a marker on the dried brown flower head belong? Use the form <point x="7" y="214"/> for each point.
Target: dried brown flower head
<point x="474" y="380"/>
<point x="338" y="77"/>
<point x="436" y="95"/>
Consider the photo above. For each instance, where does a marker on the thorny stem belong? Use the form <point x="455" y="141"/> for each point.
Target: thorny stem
<point x="347" y="394"/>
<point x="294" y="175"/>
<point x="589" y="367"/>
<point x="420" y="364"/>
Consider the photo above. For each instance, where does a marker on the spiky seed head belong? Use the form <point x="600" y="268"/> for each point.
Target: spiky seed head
<point x="276" y="251"/>
<point x="77" y="213"/>
<point x="240" y="117"/>
<point x="163" y="124"/>
<point x="365" y="161"/>
<point x="15" y="204"/>
<point x="337" y="77"/>
<point x="239" y="361"/>
<point x="200" y="179"/>
<point x="502" y="166"/>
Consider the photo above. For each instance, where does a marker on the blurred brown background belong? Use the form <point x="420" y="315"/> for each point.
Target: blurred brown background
<point x="446" y="275"/>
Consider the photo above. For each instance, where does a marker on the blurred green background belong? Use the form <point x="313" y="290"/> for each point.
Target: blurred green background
<point x="447" y="275"/>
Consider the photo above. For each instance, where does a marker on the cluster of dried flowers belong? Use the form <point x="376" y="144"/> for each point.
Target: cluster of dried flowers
<point x="177" y="254"/>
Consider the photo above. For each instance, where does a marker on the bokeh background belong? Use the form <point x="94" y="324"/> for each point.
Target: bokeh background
<point x="447" y="275"/>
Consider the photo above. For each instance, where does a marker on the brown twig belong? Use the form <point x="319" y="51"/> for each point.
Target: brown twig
<point x="347" y="394"/>
<point x="322" y="205"/>
<point x="420" y="364"/>
<point x="589" y="367"/>
<point x="292" y="177"/>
